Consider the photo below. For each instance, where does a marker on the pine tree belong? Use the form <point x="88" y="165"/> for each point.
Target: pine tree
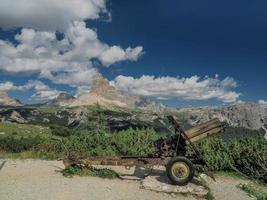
<point x="96" y="122"/>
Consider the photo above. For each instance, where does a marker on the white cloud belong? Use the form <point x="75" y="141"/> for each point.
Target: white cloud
<point x="6" y="86"/>
<point x="48" y="14"/>
<point x="42" y="91"/>
<point x="45" y="95"/>
<point x="116" y="53"/>
<point x="262" y="102"/>
<point x="66" y="61"/>
<point x="193" y="88"/>
<point x="37" y="49"/>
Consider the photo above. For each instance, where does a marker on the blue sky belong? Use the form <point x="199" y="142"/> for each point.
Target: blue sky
<point x="181" y="39"/>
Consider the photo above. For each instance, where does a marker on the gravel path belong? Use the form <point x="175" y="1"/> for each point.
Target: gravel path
<point x="37" y="179"/>
<point x="42" y="180"/>
<point x="225" y="189"/>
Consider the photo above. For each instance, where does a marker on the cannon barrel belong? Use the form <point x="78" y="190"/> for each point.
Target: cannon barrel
<point x="203" y="130"/>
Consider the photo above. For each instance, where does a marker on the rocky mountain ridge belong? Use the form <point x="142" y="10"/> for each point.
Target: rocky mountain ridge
<point x="63" y="99"/>
<point x="106" y="95"/>
<point x="137" y="109"/>
<point x="5" y="100"/>
<point x="248" y="115"/>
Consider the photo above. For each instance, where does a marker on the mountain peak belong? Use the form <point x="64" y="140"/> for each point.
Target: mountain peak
<point x="100" y="86"/>
<point x="105" y="94"/>
<point x="64" y="96"/>
<point x="5" y="100"/>
<point x="62" y="99"/>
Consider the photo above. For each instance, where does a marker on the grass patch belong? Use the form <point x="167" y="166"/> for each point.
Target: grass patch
<point x="89" y="171"/>
<point x="253" y="191"/>
<point x="209" y="195"/>
<point x="29" y="155"/>
<point x="18" y="130"/>
<point x="231" y="174"/>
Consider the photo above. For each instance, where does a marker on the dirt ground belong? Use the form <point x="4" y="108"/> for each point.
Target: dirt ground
<point x="42" y="180"/>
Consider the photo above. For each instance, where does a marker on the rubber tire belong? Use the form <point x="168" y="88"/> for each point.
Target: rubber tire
<point x="172" y="178"/>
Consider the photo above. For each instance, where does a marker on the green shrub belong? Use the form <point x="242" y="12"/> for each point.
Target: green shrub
<point x="60" y="131"/>
<point x="19" y="144"/>
<point x="247" y="155"/>
<point x="139" y="142"/>
<point x="240" y="132"/>
<point x="255" y="192"/>
<point x="87" y="145"/>
<point x="89" y="171"/>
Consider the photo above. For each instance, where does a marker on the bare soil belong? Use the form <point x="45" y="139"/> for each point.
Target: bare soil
<point x="42" y="180"/>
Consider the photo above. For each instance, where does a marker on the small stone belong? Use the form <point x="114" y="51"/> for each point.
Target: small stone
<point x="204" y="176"/>
<point x="173" y="194"/>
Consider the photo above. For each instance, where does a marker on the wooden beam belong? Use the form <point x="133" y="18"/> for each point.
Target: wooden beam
<point x="203" y="135"/>
<point x="204" y="129"/>
<point x="200" y="126"/>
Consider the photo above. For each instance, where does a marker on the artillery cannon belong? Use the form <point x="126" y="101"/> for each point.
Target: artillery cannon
<point x="171" y="153"/>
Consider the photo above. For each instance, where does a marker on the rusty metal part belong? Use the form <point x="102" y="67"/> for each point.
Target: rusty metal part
<point x="175" y="145"/>
<point x="197" y="153"/>
<point x="126" y="161"/>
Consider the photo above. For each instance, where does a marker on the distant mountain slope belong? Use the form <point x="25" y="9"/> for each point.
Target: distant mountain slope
<point x="119" y="118"/>
<point x="5" y="100"/>
<point x="103" y="93"/>
<point x="247" y="115"/>
<point x="62" y="99"/>
<point x="126" y="111"/>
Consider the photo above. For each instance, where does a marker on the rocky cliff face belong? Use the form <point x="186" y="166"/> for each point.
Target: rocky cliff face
<point x="5" y="100"/>
<point x="103" y="93"/>
<point x="63" y="99"/>
<point x="248" y="115"/>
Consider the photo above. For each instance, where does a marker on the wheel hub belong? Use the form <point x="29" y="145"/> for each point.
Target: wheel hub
<point x="180" y="170"/>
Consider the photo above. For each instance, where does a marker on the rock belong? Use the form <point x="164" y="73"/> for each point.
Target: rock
<point x="16" y="117"/>
<point x="247" y="115"/>
<point x="5" y="100"/>
<point x="45" y="120"/>
<point x="63" y="99"/>
<point x="204" y="176"/>
<point x="103" y="93"/>
<point x="161" y="183"/>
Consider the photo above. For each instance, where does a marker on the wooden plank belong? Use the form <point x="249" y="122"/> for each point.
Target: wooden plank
<point x="116" y="161"/>
<point x="210" y="132"/>
<point x="199" y="127"/>
<point x="205" y="129"/>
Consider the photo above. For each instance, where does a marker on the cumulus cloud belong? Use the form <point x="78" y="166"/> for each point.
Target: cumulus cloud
<point x="42" y="91"/>
<point x="6" y="86"/>
<point x="116" y="53"/>
<point x="63" y="61"/>
<point x="192" y="88"/>
<point x="39" y="50"/>
<point x="262" y="102"/>
<point x="48" y="14"/>
<point x="45" y="95"/>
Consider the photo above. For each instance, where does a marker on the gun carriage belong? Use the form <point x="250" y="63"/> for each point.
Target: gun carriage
<point x="171" y="153"/>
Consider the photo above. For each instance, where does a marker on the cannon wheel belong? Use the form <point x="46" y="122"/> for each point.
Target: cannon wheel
<point x="180" y="170"/>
